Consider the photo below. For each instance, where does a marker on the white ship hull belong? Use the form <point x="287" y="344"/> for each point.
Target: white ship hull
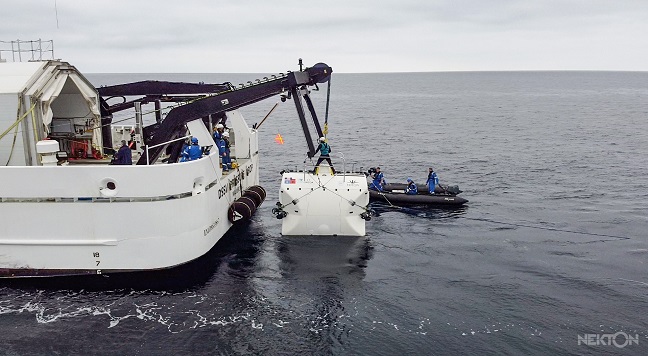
<point x="84" y="216"/>
<point x="157" y="217"/>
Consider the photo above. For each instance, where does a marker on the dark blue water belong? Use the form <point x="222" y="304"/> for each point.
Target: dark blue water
<point x="551" y="246"/>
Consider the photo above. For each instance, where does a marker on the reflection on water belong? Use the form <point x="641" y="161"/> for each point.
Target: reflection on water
<point x="325" y="258"/>
<point x="321" y="277"/>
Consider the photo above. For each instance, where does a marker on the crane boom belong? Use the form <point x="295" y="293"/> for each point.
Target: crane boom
<point x="202" y="100"/>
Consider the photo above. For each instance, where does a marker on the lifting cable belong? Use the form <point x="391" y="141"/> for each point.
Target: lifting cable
<point x="328" y="98"/>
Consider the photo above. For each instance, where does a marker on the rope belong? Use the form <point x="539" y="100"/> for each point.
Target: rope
<point x="319" y="183"/>
<point x="238" y="173"/>
<point x="218" y="181"/>
<point x="387" y="200"/>
<point x="526" y="225"/>
<point x="13" y="144"/>
<point x="295" y="201"/>
<point x="353" y="203"/>
<point x="549" y="228"/>
<point x="323" y="186"/>
<point x="2" y="135"/>
<point x="33" y="118"/>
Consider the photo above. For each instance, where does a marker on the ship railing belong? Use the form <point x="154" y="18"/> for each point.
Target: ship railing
<point x="19" y="51"/>
<point x="147" y="147"/>
<point x="344" y="171"/>
<point x="341" y="155"/>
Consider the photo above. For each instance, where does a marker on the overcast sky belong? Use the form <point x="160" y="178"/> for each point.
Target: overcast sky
<point x="267" y="36"/>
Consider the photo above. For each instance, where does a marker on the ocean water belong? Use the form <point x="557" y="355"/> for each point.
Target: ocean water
<point x="551" y="246"/>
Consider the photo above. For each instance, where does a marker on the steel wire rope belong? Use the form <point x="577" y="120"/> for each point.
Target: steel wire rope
<point x="296" y="200"/>
<point x="53" y="125"/>
<point x="323" y="187"/>
<point x="353" y="203"/>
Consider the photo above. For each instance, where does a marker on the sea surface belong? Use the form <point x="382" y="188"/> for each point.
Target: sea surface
<point x="551" y="249"/>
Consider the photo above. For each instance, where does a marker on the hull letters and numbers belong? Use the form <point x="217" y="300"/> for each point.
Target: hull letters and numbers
<point x="211" y="227"/>
<point x="235" y="181"/>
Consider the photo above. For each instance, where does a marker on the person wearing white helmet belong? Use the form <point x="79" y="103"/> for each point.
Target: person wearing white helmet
<point x="218" y="132"/>
<point x="224" y="151"/>
<point x="324" y="149"/>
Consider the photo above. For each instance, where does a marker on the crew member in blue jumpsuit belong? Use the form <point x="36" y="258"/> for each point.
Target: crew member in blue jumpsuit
<point x="432" y="180"/>
<point x="224" y="151"/>
<point x="378" y="180"/>
<point x="192" y="152"/>
<point x="221" y="152"/>
<point x="411" y="189"/>
<point x="218" y="132"/>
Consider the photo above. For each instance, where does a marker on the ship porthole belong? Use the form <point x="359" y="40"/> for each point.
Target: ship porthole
<point x="108" y="187"/>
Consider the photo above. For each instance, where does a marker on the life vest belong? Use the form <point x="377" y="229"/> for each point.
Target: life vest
<point x="325" y="149"/>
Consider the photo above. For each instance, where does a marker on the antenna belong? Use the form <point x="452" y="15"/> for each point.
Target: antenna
<point x="56" y="13"/>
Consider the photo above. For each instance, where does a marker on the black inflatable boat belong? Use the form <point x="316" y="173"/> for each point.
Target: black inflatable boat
<point x="394" y="194"/>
